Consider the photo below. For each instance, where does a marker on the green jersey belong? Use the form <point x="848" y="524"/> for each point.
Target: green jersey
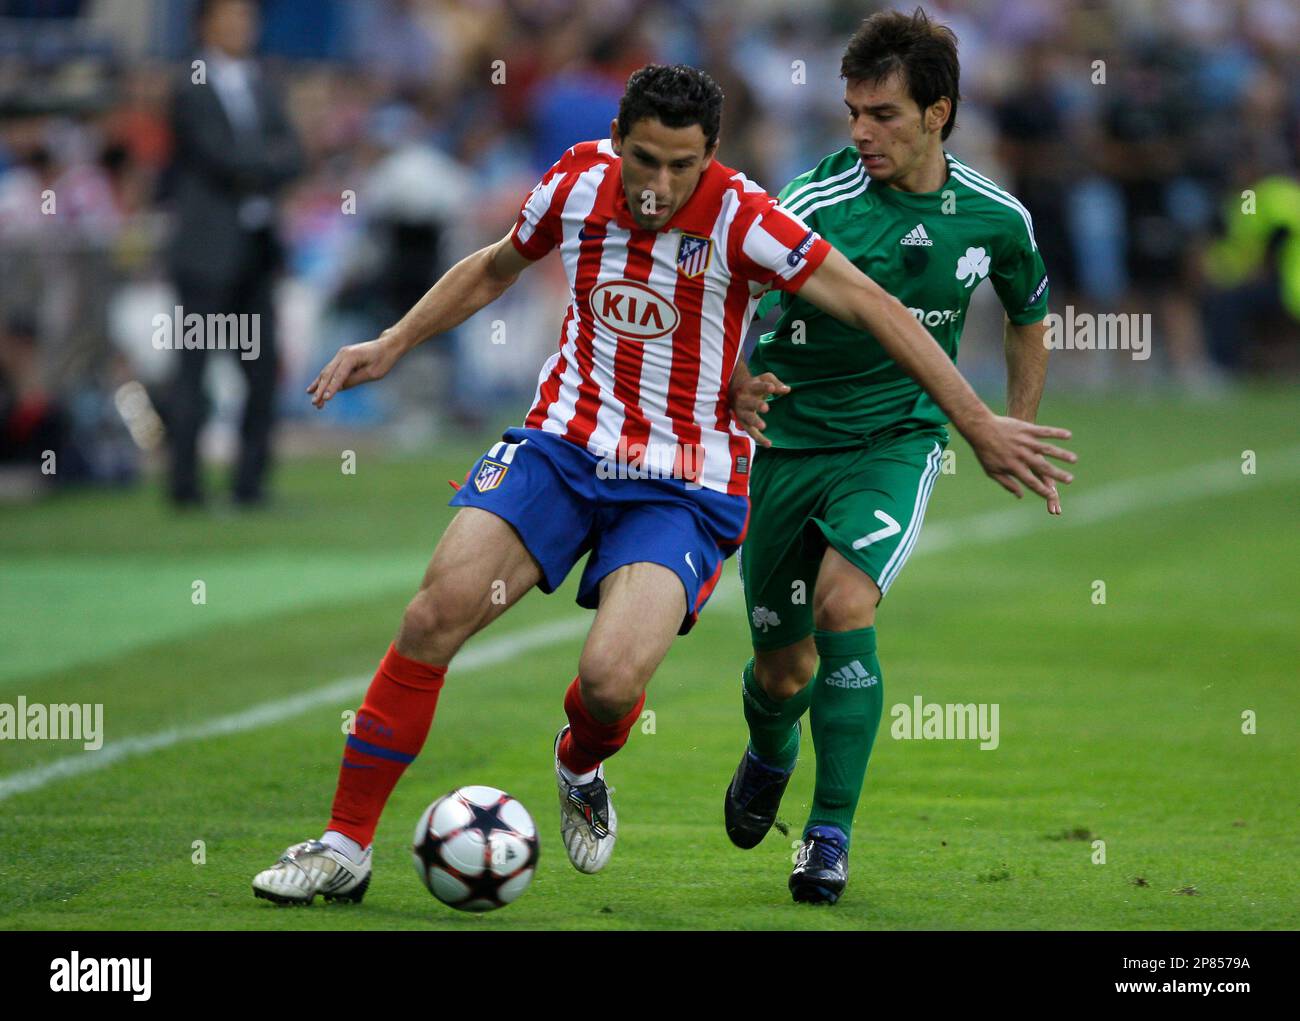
<point x="930" y="251"/>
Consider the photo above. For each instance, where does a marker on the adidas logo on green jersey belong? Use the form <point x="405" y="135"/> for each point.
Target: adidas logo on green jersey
<point x="852" y="676"/>
<point x="916" y="236"/>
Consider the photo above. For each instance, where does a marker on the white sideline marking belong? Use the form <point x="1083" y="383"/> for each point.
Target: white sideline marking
<point x="1108" y="501"/>
<point x="1111" y="500"/>
<point x="491" y="653"/>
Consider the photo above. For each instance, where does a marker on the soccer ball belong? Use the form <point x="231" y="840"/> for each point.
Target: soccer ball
<point x="475" y="849"/>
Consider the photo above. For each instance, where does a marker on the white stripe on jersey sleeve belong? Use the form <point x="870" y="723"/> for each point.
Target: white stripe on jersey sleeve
<point x="746" y="183"/>
<point x="860" y="185"/>
<point x="767" y="251"/>
<point x="536" y="206"/>
<point x="818" y="199"/>
<point x="802" y="191"/>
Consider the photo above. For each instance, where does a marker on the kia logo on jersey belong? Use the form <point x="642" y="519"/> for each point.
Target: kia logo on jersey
<point x="633" y="310"/>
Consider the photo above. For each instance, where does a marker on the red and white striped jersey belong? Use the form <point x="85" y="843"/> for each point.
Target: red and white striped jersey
<point x="657" y="317"/>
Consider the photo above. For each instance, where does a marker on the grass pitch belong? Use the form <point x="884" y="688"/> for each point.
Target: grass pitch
<point x="1120" y="722"/>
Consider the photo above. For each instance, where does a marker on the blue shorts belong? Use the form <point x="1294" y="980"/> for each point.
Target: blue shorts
<point x="548" y="489"/>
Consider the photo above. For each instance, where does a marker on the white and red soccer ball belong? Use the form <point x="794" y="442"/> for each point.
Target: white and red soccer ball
<point x="476" y="848"/>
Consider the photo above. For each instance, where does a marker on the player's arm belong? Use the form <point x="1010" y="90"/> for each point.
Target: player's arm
<point x="1010" y="451"/>
<point x="1026" y="374"/>
<point x="1026" y="367"/>
<point x="474" y="282"/>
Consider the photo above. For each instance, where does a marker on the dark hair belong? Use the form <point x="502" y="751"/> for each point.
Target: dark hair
<point x="923" y="51"/>
<point x="205" y="7"/>
<point x="678" y="96"/>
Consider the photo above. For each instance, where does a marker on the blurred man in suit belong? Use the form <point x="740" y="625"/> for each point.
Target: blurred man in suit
<point x="235" y="150"/>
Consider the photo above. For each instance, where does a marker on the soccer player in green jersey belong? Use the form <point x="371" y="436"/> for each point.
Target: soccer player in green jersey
<point x="852" y="445"/>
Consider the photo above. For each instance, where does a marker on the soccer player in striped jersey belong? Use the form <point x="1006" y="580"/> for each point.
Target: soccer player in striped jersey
<point x="631" y="454"/>
<point x="856" y="444"/>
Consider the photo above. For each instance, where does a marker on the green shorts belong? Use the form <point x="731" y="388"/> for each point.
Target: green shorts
<point x="868" y="503"/>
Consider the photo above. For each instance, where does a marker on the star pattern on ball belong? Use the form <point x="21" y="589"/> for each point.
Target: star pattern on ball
<point x="487" y="819"/>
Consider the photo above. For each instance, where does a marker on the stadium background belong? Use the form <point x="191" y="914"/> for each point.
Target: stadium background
<point x="1134" y="183"/>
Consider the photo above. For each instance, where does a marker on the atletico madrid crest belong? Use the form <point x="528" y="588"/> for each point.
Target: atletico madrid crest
<point x="489" y="476"/>
<point x="693" y="255"/>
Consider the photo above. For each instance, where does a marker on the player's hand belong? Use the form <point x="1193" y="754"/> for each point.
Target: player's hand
<point x="749" y="401"/>
<point x="1014" y="452"/>
<point x="1053" y="502"/>
<point x="352" y="366"/>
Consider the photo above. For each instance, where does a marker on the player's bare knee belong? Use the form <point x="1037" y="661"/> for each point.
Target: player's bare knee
<point x="421" y="618"/>
<point x="608" y="702"/>
<point x="788" y="685"/>
<point x="435" y="620"/>
<point x="784" y="675"/>
<point x="845" y="607"/>
<point x="610" y="684"/>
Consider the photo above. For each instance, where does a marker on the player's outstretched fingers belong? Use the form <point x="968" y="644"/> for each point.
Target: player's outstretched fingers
<point x="1045" y="469"/>
<point x="1026" y="475"/>
<point x="755" y="426"/>
<point x="317" y="389"/>
<point x="1060" y="453"/>
<point x="770" y="383"/>
<point x="339" y="370"/>
<point x="1008" y="483"/>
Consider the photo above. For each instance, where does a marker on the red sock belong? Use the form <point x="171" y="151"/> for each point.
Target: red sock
<point x="590" y="742"/>
<point x="391" y="726"/>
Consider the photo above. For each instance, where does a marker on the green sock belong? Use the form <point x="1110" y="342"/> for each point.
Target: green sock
<point x="773" y="736"/>
<point x="848" y="696"/>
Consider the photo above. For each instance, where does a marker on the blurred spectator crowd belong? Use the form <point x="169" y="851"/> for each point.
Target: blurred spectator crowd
<point x="1156" y="143"/>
